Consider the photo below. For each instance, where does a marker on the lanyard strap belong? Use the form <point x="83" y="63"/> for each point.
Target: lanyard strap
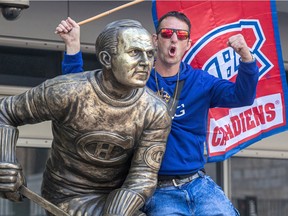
<point x="172" y="105"/>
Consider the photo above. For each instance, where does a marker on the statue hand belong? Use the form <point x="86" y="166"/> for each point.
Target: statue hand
<point x="11" y="178"/>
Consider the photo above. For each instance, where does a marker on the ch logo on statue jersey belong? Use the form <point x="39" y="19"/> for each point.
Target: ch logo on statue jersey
<point x="104" y="147"/>
<point x="153" y="156"/>
<point x="224" y="63"/>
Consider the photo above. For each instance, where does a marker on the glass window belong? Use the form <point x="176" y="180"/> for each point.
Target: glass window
<point x="28" y="67"/>
<point x="90" y="62"/>
<point x="259" y="186"/>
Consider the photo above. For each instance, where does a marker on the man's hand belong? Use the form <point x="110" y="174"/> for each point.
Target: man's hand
<point x="238" y="43"/>
<point x="69" y="31"/>
<point x="11" y="178"/>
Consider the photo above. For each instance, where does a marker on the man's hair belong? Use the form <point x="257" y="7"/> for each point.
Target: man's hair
<point x="108" y="38"/>
<point x="176" y="14"/>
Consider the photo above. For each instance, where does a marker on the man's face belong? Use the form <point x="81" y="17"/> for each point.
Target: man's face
<point x="171" y="50"/>
<point x="132" y="64"/>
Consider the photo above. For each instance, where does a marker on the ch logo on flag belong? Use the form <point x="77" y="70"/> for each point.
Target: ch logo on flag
<point x="224" y="63"/>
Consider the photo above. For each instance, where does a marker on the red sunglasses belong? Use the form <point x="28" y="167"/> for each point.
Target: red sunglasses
<point x="168" y="32"/>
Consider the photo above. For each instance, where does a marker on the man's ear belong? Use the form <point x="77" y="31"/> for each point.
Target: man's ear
<point x="105" y="59"/>
<point x="154" y="40"/>
<point x="189" y="43"/>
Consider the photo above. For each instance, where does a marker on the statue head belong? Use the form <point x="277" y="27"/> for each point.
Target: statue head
<point x="125" y="50"/>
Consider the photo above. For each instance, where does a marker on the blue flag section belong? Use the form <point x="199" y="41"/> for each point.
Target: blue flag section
<point x="213" y="22"/>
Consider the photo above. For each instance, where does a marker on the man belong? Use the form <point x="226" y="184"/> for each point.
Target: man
<point x="183" y="188"/>
<point x="109" y="130"/>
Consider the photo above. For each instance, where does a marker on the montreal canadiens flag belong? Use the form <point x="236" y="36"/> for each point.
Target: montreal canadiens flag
<point x="213" y="22"/>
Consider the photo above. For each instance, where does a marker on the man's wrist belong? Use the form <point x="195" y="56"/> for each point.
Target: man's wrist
<point x="249" y="59"/>
<point x="73" y="48"/>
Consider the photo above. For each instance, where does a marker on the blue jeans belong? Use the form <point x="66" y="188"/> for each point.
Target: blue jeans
<point x="200" y="197"/>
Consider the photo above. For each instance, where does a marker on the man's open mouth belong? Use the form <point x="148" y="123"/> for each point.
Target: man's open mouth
<point x="172" y="51"/>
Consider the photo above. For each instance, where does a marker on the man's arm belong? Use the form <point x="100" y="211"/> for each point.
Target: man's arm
<point x="229" y="94"/>
<point x="248" y="72"/>
<point x="69" y="31"/>
<point x="72" y="63"/>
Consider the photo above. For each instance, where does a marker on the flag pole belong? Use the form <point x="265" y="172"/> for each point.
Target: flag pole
<point x="109" y="12"/>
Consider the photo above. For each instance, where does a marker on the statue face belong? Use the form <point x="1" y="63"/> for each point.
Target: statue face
<point x="132" y="64"/>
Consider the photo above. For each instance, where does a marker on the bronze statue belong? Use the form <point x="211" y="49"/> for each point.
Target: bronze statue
<point x="109" y="130"/>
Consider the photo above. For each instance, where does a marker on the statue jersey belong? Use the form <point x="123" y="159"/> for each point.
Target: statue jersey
<point x="97" y="140"/>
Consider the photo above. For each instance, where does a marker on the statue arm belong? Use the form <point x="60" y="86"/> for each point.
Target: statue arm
<point x="141" y="181"/>
<point x="27" y="108"/>
<point x="13" y="112"/>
